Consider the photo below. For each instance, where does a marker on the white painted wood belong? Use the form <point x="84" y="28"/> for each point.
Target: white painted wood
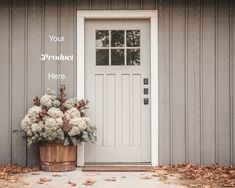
<point x="152" y="15"/>
<point x="80" y="78"/>
<point x="115" y="134"/>
<point x="154" y="90"/>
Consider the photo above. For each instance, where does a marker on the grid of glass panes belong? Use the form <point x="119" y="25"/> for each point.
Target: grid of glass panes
<point x="117" y="47"/>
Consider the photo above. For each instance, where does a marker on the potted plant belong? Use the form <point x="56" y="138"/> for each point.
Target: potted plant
<point x="58" y="124"/>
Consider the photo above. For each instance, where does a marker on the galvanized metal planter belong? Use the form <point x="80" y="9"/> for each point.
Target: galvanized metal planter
<point x="55" y="157"/>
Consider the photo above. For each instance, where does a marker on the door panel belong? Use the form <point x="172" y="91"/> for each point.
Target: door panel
<point x="117" y="59"/>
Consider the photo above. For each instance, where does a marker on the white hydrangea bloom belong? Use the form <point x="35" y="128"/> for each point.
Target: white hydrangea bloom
<point x="80" y="123"/>
<point x="59" y="121"/>
<point x="29" y="133"/>
<point x="88" y="121"/>
<point x="50" y="92"/>
<point x="56" y="103"/>
<point x="34" y="127"/>
<point x="74" y="131"/>
<point x="37" y="127"/>
<point x="51" y="124"/>
<point x="55" y="113"/>
<point x="72" y="113"/>
<point x="26" y="122"/>
<point x="46" y="101"/>
<point x="70" y="103"/>
<point x="34" y="111"/>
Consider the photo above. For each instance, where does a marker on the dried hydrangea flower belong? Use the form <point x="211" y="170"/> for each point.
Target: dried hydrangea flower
<point x="55" y="113"/>
<point x="72" y="113"/>
<point x="70" y="103"/>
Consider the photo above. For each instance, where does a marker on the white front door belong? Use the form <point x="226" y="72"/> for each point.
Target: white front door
<point x="117" y="84"/>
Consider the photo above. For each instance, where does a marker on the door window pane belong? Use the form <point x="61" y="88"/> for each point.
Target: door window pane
<point x="102" y="38"/>
<point x="133" y="38"/>
<point x="117" y="57"/>
<point x="102" y="57"/>
<point x="133" y="57"/>
<point x="117" y="38"/>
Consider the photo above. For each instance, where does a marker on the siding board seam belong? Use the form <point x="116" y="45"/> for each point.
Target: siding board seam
<point x="141" y="4"/>
<point x="201" y="83"/>
<point x="186" y="83"/>
<point x="75" y="49"/>
<point x="216" y="84"/>
<point x="42" y="45"/>
<point x="170" y="79"/>
<point x="26" y="68"/>
<point x="231" y="78"/>
<point x="59" y="43"/>
<point x="10" y="77"/>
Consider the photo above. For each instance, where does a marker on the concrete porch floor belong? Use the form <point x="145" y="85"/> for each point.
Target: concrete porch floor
<point x="102" y="180"/>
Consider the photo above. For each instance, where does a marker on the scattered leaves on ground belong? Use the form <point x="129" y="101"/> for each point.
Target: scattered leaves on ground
<point x="10" y="173"/>
<point x="198" y="176"/>
<point x="72" y="183"/>
<point x="110" y="179"/>
<point x="89" y="182"/>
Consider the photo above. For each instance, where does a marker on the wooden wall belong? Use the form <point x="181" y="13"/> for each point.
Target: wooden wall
<point x="24" y="27"/>
<point x="196" y="72"/>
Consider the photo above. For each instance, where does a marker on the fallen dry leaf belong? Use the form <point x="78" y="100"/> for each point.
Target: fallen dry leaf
<point x="44" y="180"/>
<point x="56" y="175"/>
<point x="146" y="177"/>
<point x="155" y="175"/>
<point x="111" y="179"/>
<point x="39" y="182"/>
<point x="162" y="178"/>
<point x="123" y="177"/>
<point x="89" y="182"/>
<point x="34" y="173"/>
<point x="72" y="184"/>
<point x="25" y="183"/>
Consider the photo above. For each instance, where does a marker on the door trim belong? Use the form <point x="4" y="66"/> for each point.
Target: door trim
<point x="82" y="15"/>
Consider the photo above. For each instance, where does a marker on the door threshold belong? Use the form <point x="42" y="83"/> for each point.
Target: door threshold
<point x="117" y="167"/>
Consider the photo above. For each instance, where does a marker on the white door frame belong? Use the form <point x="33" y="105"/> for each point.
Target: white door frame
<point x="82" y="15"/>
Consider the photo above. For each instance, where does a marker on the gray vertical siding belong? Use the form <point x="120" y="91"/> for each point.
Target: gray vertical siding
<point x="24" y="27"/>
<point x="196" y="72"/>
<point x="196" y="47"/>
